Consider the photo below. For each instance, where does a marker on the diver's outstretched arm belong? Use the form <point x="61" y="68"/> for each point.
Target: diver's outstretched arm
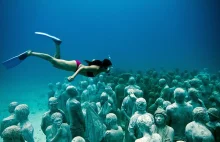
<point x="71" y="78"/>
<point x="83" y="69"/>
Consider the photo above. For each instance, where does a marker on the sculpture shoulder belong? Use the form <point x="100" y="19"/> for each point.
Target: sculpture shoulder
<point x="49" y="128"/>
<point x="170" y="129"/>
<point x="156" y="138"/>
<point x="9" y="118"/>
<point x="74" y="103"/>
<point x="65" y="125"/>
<point x="171" y="107"/>
<point x="46" y="114"/>
<point x="190" y="125"/>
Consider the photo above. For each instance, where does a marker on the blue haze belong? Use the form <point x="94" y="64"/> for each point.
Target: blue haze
<point x="137" y="34"/>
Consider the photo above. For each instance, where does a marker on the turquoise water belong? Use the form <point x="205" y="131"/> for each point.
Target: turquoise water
<point x="138" y="35"/>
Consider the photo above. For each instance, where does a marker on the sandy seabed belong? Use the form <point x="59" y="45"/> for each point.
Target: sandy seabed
<point x="35" y="98"/>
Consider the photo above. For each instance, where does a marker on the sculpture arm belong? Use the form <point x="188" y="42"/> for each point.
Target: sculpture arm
<point x="50" y="137"/>
<point x="69" y="133"/>
<point x="131" y="128"/>
<point x="80" y="115"/>
<point x="27" y="134"/>
<point x="123" y="110"/>
<point x="43" y="126"/>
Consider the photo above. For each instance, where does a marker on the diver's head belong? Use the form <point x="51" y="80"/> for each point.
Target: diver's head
<point x="106" y="64"/>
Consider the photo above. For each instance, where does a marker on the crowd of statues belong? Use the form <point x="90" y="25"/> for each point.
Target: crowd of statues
<point x="126" y="107"/>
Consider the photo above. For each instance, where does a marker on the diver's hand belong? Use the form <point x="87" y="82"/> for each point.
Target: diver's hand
<point x="70" y="78"/>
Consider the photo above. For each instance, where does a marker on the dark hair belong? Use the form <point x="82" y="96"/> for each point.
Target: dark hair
<point x="105" y="63"/>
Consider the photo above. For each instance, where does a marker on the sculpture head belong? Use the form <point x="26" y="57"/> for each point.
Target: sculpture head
<point x="110" y="120"/>
<point x="72" y="91"/>
<point x="84" y="84"/>
<point x="141" y="104"/>
<point x="205" y="80"/>
<point x="121" y="81"/>
<point x="200" y="115"/>
<point x="59" y="85"/>
<point x="193" y="93"/>
<point x="159" y="102"/>
<point x="213" y="114"/>
<point x="101" y="78"/>
<point x="108" y="89"/>
<point x="103" y="98"/>
<point x="162" y="82"/>
<point x="90" y="80"/>
<point x="160" y="116"/>
<point x="53" y="102"/>
<point x="179" y="95"/>
<point x="78" y="139"/>
<point x="22" y="112"/>
<point x="57" y="119"/>
<point x="50" y="86"/>
<point x="131" y="81"/>
<point x="174" y="83"/>
<point x="12" y="106"/>
<point x="12" y="134"/>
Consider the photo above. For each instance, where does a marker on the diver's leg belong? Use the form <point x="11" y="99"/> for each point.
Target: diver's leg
<point x="58" y="63"/>
<point x="42" y="56"/>
<point x="56" y="40"/>
<point x="57" y="54"/>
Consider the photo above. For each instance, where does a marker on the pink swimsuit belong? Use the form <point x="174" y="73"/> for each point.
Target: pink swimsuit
<point x="77" y="64"/>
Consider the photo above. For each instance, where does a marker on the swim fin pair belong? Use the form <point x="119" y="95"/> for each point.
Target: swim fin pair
<point x="16" y="60"/>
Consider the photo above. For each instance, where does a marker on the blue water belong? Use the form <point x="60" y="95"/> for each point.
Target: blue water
<point x="137" y="34"/>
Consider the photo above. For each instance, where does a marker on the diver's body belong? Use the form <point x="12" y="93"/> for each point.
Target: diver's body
<point x="93" y="68"/>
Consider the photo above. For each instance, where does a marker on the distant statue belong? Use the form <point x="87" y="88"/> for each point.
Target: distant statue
<point x="12" y="134"/>
<point x="179" y="114"/>
<point x="214" y="124"/>
<point x="46" y="119"/>
<point x="103" y="106"/>
<point x="58" y="131"/>
<point x="194" y="98"/>
<point x="134" y="131"/>
<point x="27" y="130"/>
<point x="196" y="131"/>
<point x="114" y="133"/>
<point x="77" y="122"/>
<point x="10" y="120"/>
<point x="146" y="126"/>
<point x="166" y="132"/>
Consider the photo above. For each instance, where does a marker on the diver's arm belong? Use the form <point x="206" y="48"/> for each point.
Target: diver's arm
<point x="70" y="78"/>
<point x="82" y="68"/>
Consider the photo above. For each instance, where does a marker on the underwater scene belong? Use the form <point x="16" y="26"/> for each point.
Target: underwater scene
<point x="110" y="71"/>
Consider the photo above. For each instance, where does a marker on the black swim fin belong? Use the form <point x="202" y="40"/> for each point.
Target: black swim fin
<point x="14" y="61"/>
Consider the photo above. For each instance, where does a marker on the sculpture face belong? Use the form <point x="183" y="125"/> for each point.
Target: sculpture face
<point x="18" y="116"/>
<point x="141" y="105"/>
<point x="206" y="117"/>
<point x="58" y="85"/>
<point x="57" y="122"/>
<point x="200" y="114"/>
<point x="103" y="98"/>
<point x="53" y="107"/>
<point x="159" y="119"/>
<point x="101" y="78"/>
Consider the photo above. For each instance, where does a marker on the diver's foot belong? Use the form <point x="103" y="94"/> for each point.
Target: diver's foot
<point x="56" y="40"/>
<point x="57" y="56"/>
<point x="25" y="55"/>
<point x="28" y="52"/>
